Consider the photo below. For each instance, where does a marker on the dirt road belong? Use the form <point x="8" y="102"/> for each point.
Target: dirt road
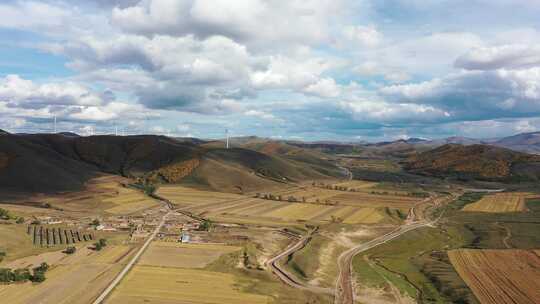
<point x="344" y="289"/>
<point x="289" y="278"/>
<point x="129" y="265"/>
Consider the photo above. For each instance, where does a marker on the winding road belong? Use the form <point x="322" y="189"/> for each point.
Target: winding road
<point x="289" y="278"/>
<point x="344" y="289"/>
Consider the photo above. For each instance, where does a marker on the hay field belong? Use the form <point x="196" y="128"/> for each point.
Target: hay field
<point x="500" y="202"/>
<point x="499" y="276"/>
<point x="351" y="207"/>
<point x="360" y="199"/>
<point x="76" y="278"/>
<point x="172" y="254"/>
<point x="357" y="184"/>
<point x="180" y="195"/>
<point x="284" y="212"/>
<point x="299" y="211"/>
<point x="364" y="216"/>
<point x="162" y="285"/>
<point x="129" y="201"/>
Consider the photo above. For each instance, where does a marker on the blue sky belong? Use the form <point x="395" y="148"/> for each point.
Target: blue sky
<point x="297" y="69"/>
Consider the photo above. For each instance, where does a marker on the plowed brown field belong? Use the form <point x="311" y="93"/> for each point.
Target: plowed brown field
<point x="500" y="276"/>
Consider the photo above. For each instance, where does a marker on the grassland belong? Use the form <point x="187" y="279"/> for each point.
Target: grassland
<point x="172" y="254"/>
<point x="500" y="202"/>
<point x="177" y="285"/>
<point x="16" y="243"/>
<point x="397" y="263"/>
<point x="500" y="276"/>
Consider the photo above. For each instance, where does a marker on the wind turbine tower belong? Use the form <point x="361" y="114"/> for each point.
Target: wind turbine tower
<point x="227" y="140"/>
<point x="54" y="124"/>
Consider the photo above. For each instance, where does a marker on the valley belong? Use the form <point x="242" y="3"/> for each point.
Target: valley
<point x="265" y="222"/>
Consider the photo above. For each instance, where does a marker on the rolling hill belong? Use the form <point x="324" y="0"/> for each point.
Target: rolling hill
<point x="524" y="142"/>
<point x="477" y="162"/>
<point x="56" y="162"/>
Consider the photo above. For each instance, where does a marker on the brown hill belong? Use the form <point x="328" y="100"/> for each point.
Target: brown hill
<point x="476" y="161"/>
<point x="303" y="158"/>
<point x="54" y="162"/>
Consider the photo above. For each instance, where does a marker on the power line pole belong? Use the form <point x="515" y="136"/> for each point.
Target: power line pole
<point x="227" y="138"/>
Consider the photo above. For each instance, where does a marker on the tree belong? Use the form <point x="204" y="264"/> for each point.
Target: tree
<point x="2" y="255"/>
<point x="206" y="225"/>
<point x="70" y="250"/>
<point x="95" y="222"/>
<point x="21" y="275"/>
<point x="20" y="220"/>
<point x="6" y="275"/>
<point x="100" y="244"/>
<point x="38" y="277"/>
<point x="4" y="214"/>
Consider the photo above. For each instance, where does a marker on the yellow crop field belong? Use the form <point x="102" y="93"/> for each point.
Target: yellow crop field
<point x="357" y="184"/>
<point x="500" y="202"/>
<point x="162" y="285"/>
<point x="112" y="254"/>
<point x="129" y="201"/>
<point x="499" y="276"/>
<point x="169" y="254"/>
<point x="189" y="196"/>
<point x="361" y="199"/>
<point x="296" y="211"/>
<point x="364" y="216"/>
<point x="77" y="278"/>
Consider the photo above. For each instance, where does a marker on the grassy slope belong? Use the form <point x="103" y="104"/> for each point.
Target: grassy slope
<point x="262" y="282"/>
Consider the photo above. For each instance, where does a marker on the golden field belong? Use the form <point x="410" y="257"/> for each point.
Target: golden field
<point x="499" y="276"/>
<point x="76" y="278"/>
<point x="321" y="205"/>
<point x="166" y="285"/>
<point x="172" y="254"/>
<point x="500" y="202"/>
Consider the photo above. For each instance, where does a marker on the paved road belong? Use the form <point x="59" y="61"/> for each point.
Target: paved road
<point x="288" y="278"/>
<point x="128" y="267"/>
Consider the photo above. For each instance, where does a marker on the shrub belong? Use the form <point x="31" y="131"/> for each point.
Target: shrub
<point x="70" y="250"/>
<point x="4" y="214"/>
<point x="20" y="220"/>
<point x="100" y="244"/>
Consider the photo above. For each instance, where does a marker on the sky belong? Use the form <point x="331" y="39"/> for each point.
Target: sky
<point x="362" y="70"/>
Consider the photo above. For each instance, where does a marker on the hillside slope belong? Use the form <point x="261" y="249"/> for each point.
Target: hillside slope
<point x="476" y="161"/>
<point x="30" y="167"/>
<point x="524" y="142"/>
<point x="55" y="162"/>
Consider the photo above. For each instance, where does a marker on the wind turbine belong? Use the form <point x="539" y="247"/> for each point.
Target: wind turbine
<point x="227" y="140"/>
<point x="54" y="124"/>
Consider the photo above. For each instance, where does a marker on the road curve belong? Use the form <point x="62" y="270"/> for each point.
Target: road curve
<point x="288" y="278"/>
<point x="344" y="290"/>
<point x="129" y="265"/>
